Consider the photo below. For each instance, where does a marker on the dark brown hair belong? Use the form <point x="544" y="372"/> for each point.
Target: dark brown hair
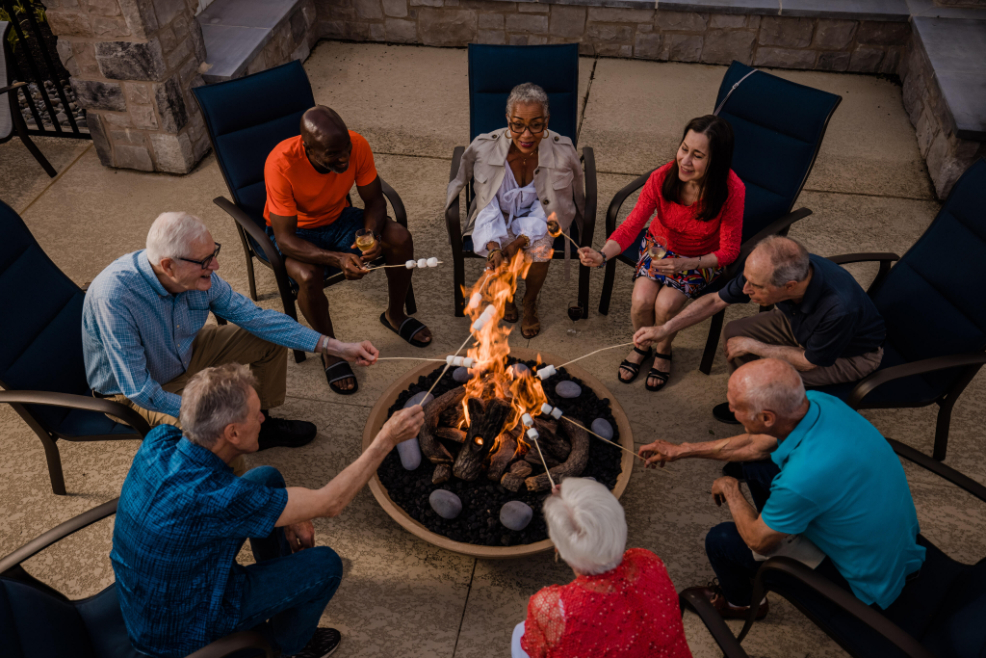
<point x="714" y="187"/>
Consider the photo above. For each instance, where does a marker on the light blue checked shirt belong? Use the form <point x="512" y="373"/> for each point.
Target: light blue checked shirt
<point x="136" y="335"/>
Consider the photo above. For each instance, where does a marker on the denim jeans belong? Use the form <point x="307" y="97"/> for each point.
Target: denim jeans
<point x="286" y="593"/>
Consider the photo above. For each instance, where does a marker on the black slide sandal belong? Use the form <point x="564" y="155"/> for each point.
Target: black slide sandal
<point x="343" y="371"/>
<point x="633" y="367"/>
<point x="408" y="329"/>
<point x="660" y="375"/>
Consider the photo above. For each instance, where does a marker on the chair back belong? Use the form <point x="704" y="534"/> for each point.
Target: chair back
<point x="41" y="322"/>
<point x="34" y="622"/>
<point x="957" y="630"/>
<point x="778" y="127"/>
<point x="932" y="300"/>
<point x="495" y="70"/>
<point x="246" y="118"/>
<point x="6" y="120"/>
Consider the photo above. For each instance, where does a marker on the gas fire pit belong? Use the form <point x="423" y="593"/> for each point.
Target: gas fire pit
<point x="469" y="450"/>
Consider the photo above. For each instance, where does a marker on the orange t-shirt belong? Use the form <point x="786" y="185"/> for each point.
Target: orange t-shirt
<point x="295" y="188"/>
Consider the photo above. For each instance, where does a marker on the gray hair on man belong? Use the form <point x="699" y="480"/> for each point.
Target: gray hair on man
<point x="788" y="258"/>
<point x="771" y="384"/>
<point x="525" y="93"/>
<point x="587" y="525"/>
<point x="171" y="234"/>
<point x="214" y="398"/>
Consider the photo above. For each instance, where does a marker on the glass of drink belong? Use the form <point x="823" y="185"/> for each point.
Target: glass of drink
<point x="656" y="251"/>
<point x="365" y="240"/>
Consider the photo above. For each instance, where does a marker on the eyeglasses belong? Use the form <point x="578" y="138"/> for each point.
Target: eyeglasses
<point x="536" y="127"/>
<point x="207" y="261"/>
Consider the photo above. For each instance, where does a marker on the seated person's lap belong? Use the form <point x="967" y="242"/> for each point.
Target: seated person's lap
<point x="338" y="236"/>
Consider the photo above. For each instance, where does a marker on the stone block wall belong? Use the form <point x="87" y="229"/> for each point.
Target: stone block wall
<point x="652" y="34"/>
<point x="946" y="155"/>
<point x="133" y="64"/>
<point x="292" y="39"/>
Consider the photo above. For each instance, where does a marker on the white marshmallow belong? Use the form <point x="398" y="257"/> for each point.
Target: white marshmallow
<point x="410" y="264"/>
<point x="479" y="323"/>
<point x="475" y="300"/>
<point x="546" y="408"/>
<point x="527" y="420"/>
<point x="422" y="262"/>
<point x="556" y="413"/>
<point x="450" y="360"/>
<point x="468" y="362"/>
<point x="546" y="372"/>
<point x="533" y="434"/>
<point x="432" y="262"/>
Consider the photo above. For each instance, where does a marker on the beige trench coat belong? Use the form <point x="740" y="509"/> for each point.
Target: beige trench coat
<point x="558" y="178"/>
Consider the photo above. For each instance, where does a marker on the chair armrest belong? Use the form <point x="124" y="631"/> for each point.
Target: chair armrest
<point x="869" y="383"/>
<point x="591" y="197"/>
<point x="231" y="644"/>
<point x="83" y="402"/>
<point x="16" y="85"/>
<point x="452" y="222"/>
<point x="714" y="622"/>
<point x="258" y="234"/>
<point x="57" y="533"/>
<point x="400" y="214"/>
<point x="837" y="596"/>
<point x="614" y="206"/>
<point x="885" y="259"/>
<point x="940" y="469"/>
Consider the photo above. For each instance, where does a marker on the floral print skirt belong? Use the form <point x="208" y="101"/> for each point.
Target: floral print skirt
<point x="691" y="283"/>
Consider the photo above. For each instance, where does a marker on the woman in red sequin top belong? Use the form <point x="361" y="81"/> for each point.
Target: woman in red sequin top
<point x="696" y="233"/>
<point x="620" y="604"/>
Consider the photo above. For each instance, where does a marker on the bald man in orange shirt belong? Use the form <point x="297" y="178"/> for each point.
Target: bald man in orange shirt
<point x="311" y="223"/>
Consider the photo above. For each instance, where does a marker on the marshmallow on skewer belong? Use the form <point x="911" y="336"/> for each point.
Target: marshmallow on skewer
<point x="527" y="420"/>
<point x="546" y="372"/>
<point x="475" y="300"/>
<point x="532" y="434"/>
<point x="411" y="264"/>
<point x="433" y="262"/>
<point x="481" y="321"/>
<point x="464" y="361"/>
<point x="422" y="263"/>
<point x="554" y="412"/>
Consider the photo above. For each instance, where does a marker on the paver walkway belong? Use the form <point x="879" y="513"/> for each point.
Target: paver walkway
<point x="869" y="192"/>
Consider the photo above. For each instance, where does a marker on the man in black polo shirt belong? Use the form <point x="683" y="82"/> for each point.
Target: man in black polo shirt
<point x="824" y="323"/>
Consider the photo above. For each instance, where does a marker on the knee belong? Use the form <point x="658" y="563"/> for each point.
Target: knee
<point x="267" y="476"/>
<point x="641" y="300"/>
<point x="664" y="312"/>
<point x="307" y="276"/>
<point x="397" y="234"/>
<point x="733" y="329"/>
<point x="326" y="566"/>
<point x="719" y="538"/>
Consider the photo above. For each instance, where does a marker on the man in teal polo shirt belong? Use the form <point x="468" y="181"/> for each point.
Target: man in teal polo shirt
<point x="817" y="470"/>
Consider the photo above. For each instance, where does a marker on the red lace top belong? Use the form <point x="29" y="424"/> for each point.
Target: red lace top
<point x="630" y="612"/>
<point x="676" y="226"/>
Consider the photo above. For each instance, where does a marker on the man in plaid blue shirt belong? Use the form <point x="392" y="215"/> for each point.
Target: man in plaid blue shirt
<point x="183" y="516"/>
<point x="144" y="331"/>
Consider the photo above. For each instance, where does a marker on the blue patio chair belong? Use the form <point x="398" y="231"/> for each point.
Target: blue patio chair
<point x="939" y="615"/>
<point x="246" y="118"/>
<point x="935" y="311"/>
<point x="778" y="127"/>
<point x="493" y="72"/>
<point x="38" y="621"/>
<point x="41" y="365"/>
<point x="11" y="120"/>
<point x="716" y="625"/>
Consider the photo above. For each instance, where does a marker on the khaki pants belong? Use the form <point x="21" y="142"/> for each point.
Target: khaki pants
<point x="773" y="328"/>
<point x="218" y="345"/>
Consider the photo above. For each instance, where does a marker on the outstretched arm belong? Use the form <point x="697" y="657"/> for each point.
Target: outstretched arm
<point x="741" y="448"/>
<point x="694" y="313"/>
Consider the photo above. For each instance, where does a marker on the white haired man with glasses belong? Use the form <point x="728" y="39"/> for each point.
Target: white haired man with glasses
<point x="144" y="331"/>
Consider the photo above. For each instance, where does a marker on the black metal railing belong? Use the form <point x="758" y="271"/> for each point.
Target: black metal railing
<point x="47" y="102"/>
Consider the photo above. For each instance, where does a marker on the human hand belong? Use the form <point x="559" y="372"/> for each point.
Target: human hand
<point x="373" y="253"/>
<point x="590" y="257"/>
<point x="351" y="266"/>
<point x="722" y="486"/>
<point x="362" y="354"/>
<point x="645" y="336"/>
<point x="300" y="535"/>
<point x="403" y="425"/>
<point x="494" y="259"/>
<point x="738" y="346"/>
<point x="659" y="453"/>
<point x="669" y="266"/>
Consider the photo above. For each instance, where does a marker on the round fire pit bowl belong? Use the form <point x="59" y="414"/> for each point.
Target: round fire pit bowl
<point x="378" y="416"/>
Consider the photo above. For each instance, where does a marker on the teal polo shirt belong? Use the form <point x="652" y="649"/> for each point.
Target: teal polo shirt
<point x="842" y="487"/>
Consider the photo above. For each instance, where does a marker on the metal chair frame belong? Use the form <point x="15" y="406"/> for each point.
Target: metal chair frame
<point x="20" y="127"/>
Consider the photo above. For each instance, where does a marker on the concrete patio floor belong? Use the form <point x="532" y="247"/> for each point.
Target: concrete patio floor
<point x="869" y="192"/>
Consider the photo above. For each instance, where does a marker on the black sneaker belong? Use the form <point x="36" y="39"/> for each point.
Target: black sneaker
<point x="723" y="414"/>
<point x="734" y="470"/>
<point x="323" y="644"/>
<point x="280" y="432"/>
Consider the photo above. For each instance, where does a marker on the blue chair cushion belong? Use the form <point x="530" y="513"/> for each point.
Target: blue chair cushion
<point x="104" y="620"/>
<point x="495" y="70"/>
<point x="34" y="624"/>
<point x="958" y="631"/>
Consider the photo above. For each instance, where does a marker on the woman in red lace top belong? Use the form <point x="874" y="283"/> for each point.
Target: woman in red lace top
<point x="695" y="234"/>
<point x="620" y="604"/>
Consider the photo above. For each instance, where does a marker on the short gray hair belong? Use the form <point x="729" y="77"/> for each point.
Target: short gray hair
<point x="587" y="525"/>
<point x="783" y="393"/>
<point x="214" y="398"/>
<point x="788" y="259"/>
<point x="528" y="92"/>
<point x="171" y="234"/>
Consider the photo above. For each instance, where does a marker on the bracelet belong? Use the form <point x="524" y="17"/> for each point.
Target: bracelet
<point x="489" y="256"/>
<point x="699" y="263"/>
<point x="604" y="259"/>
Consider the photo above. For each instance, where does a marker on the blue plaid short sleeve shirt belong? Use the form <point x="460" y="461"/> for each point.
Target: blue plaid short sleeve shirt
<point x="180" y="522"/>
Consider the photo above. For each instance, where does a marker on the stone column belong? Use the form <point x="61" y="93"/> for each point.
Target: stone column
<point x="133" y="64"/>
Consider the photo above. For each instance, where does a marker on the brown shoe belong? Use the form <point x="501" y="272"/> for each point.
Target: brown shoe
<point x="713" y="594"/>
